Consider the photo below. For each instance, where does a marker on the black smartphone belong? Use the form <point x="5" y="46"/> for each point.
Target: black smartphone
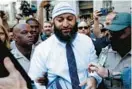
<point x="5" y="52"/>
<point x="101" y="13"/>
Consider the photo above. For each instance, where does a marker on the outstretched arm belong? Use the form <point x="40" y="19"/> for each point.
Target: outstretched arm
<point x="14" y="80"/>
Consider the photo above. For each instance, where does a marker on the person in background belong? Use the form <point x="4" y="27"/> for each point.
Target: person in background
<point x="18" y="17"/>
<point x="84" y="28"/>
<point x="99" y="43"/>
<point x="3" y="19"/>
<point x="35" y="27"/>
<point x="23" y="37"/>
<point x="96" y="29"/>
<point x="100" y="34"/>
<point x="55" y="55"/>
<point x="46" y="31"/>
<point x="10" y="33"/>
<point x="117" y="62"/>
<point x="4" y="36"/>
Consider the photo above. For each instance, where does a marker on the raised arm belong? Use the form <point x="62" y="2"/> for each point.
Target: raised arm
<point x="96" y="29"/>
<point x="40" y="15"/>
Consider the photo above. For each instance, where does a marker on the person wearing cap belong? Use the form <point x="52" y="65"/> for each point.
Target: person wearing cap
<point x="102" y="35"/>
<point x="118" y="62"/>
<point x="55" y="55"/>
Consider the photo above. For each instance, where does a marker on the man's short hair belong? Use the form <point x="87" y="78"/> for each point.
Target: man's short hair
<point x="32" y="19"/>
<point x="48" y="22"/>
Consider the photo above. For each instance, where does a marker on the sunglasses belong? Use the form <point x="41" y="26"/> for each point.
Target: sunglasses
<point x="85" y="27"/>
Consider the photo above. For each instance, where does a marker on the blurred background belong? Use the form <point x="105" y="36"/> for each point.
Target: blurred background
<point x="84" y="8"/>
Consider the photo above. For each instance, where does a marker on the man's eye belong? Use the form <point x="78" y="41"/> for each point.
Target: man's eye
<point x="70" y="18"/>
<point x="60" y="19"/>
<point x="24" y="32"/>
<point x="33" y="32"/>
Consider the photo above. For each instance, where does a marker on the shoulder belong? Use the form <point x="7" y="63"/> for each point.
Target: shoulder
<point x="47" y="44"/>
<point x="17" y="54"/>
<point x="81" y="38"/>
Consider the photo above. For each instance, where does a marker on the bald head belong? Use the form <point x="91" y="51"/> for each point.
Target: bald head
<point x="23" y="35"/>
<point x="21" y="27"/>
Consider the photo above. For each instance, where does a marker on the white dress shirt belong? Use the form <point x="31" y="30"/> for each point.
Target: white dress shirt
<point x="50" y="56"/>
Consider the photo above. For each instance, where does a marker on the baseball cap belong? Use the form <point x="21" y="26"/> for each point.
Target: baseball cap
<point x="120" y="21"/>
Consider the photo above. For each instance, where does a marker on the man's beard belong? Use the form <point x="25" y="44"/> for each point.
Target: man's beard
<point x="66" y="38"/>
<point x="122" y="46"/>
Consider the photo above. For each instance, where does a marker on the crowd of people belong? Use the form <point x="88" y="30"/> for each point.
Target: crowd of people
<point x="67" y="54"/>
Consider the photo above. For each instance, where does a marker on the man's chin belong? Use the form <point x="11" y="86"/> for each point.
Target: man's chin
<point x="30" y="43"/>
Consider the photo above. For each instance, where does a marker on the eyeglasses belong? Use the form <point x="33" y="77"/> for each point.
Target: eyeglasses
<point x="85" y="27"/>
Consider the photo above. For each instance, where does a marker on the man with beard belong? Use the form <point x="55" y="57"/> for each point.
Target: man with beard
<point x="46" y="31"/>
<point x="65" y="55"/>
<point x="118" y="62"/>
<point x="23" y="44"/>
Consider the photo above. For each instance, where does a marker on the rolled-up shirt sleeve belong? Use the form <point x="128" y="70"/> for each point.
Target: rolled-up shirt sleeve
<point x="37" y="67"/>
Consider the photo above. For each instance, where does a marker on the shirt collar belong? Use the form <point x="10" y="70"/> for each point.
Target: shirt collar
<point x="58" y="41"/>
<point x="18" y="55"/>
<point x="39" y="41"/>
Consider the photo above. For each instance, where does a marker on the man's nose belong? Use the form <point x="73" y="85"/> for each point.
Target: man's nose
<point x="29" y="34"/>
<point x="65" y="23"/>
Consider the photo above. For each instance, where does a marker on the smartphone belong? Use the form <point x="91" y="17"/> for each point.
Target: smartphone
<point x="5" y="52"/>
<point x="103" y="12"/>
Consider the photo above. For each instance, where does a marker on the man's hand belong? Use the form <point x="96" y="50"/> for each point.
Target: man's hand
<point x="14" y="80"/>
<point x="44" y="3"/>
<point x="43" y="80"/>
<point x="96" y="15"/>
<point x="103" y="72"/>
<point x="90" y="83"/>
<point x="5" y="17"/>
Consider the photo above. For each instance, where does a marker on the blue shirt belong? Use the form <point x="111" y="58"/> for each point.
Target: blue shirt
<point x="50" y="56"/>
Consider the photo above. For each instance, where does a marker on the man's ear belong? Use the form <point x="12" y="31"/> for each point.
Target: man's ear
<point x="14" y="37"/>
<point x="126" y="33"/>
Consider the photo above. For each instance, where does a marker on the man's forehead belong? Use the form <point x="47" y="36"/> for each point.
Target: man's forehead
<point x="31" y="22"/>
<point x="65" y="15"/>
<point x="24" y="26"/>
<point x="21" y="27"/>
<point x="45" y="24"/>
<point x="82" y="24"/>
